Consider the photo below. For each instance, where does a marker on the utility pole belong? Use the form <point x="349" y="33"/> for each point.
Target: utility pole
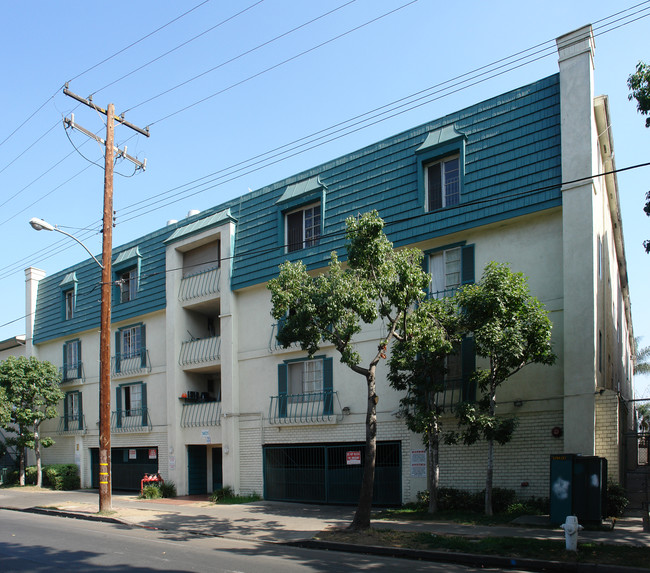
<point x="105" y="470"/>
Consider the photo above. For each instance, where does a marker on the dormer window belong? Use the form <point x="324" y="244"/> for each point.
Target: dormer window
<point x="442" y="182"/>
<point x="303" y="228"/>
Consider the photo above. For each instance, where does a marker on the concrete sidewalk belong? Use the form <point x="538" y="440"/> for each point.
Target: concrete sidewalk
<point x="275" y="522"/>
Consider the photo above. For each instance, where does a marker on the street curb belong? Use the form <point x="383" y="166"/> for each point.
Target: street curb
<point x="60" y="513"/>
<point x="474" y="560"/>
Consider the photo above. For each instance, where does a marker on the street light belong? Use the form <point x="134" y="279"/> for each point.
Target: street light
<point x="105" y="502"/>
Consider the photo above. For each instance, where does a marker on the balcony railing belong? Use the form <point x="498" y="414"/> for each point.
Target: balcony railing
<point x="131" y="363"/>
<point x="133" y="420"/>
<point x="273" y="341"/>
<point x="72" y="424"/>
<point x="197" y="285"/>
<point x="201" y="414"/>
<point x="72" y="372"/>
<point x="455" y="392"/>
<point x="308" y="408"/>
<point x="200" y="351"/>
<point x="443" y="293"/>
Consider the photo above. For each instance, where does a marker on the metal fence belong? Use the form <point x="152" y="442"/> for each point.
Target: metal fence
<point x="200" y="351"/>
<point x="201" y="414"/>
<point x="202" y="283"/>
<point x="310" y="407"/>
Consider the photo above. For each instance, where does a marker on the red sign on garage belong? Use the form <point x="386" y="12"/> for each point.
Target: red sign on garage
<point x="353" y="458"/>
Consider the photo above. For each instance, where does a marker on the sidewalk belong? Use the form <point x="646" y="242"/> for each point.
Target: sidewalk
<point x="277" y="522"/>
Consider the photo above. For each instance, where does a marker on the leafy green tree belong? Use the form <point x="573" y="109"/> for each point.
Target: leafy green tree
<point x="379" y="284"/>
<point x="417" y="367"/>
<point x="5" y="409"/>
<point x="639" y="85"/>
<point x="32" y="391"/>
<point x="511" y="329"/>
<point x="643" y="414"/>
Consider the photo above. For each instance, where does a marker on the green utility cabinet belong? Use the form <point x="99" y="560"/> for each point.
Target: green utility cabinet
<point x="578" y="486"/>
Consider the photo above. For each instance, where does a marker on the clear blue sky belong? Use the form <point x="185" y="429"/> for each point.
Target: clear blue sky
<point x="268" y="86"/>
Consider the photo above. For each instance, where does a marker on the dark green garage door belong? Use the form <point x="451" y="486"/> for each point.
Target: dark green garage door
<point x="128" y="466"/>
<point x="330" y="473"/>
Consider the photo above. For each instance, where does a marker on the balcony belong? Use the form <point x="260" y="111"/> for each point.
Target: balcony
<point x="201" y="414"/>
<point x="131" y="363"/>
<point x="455" y="392"/>
<point x="200" y="353"/>
<point x="274" y="345"/>
<point x="199" y="285"/>
<point x="72" y="424"/>
<point x="308" y="408"/>
<point x="133" y="420"/>
<point x="73" y="372"/>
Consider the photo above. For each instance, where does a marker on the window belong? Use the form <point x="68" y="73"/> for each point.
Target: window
<point x="303" y="228"/>
<point x="72" y="360"/>
<point x="442" y="181"/>
<point x="72" y="415"/>
<point x="128" y="281"/>
<point x="68" y="302"/>
<point x="130" y="349"/>
<point x="305" y="381"/>
<point x="131" y="403"/>
<point x="451" y="268"/>
<point x="455" y="381"/>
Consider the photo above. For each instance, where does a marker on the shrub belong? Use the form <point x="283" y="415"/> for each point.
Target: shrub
<point x="453" y="499"/>
<point x="616" y="499"/>
<point x="168" y="489"/>
<point x="61" y="477"/>
<point x="221" y="494"/>
<point x="150" y="492"/>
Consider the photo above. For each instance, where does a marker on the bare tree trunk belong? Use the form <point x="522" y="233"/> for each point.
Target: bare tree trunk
<point x="361" y="518"/>
<point x="37" y="453"/>
<point x="433" y="475"/>
<point x="490" y="461"/>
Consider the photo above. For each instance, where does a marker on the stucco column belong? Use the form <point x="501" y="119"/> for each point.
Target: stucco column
<point x="32" y="278"/>
<point x="579" y="161"/>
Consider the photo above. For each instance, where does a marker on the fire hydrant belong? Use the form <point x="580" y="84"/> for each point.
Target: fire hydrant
<point x="571" y="528"/>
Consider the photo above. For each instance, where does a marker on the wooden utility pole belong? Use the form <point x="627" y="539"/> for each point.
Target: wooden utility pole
<point x="105" y="471"/>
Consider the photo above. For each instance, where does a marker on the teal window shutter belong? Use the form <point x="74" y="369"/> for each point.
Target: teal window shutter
<point x="144" y="404"/>
<point x="81" y="412"/>
<point x="468" y="365"/>
<point x="282" y="390"/>
<point x="118" y="350"/>
<point x="143" y="347"/>
<point x="64" y="376"/>
<point x="118" y="406"/>
<point x="467" y="264"/>
<point x="66" y="409"/>
<point x="79" y="359"/>
<point x="328" y="387"/>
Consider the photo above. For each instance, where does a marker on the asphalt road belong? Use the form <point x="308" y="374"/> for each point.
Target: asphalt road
<point x="37" y="543"/>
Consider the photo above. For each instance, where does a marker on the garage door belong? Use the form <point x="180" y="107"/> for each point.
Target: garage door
<point x="330" y="473"/>
<point x="128" y="466"/>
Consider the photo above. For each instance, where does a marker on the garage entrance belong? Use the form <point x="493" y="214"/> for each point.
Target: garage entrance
<point x="128" y="466"/>
<point x="330" y="473"/>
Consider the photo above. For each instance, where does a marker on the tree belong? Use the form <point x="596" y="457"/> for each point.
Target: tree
<point x="379" y="284"/>
<point x="643" y="414"/>
<point x="417" y="367"/>
<point x="5" y="409"/>
<point x="639" y="85"/>
<point x="511" y="329"/>
<point x="32" y="390"/>
<point x="641" y="358"/>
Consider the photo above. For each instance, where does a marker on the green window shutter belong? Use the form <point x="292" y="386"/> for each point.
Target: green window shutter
<point x="328" y="387"/>
<point x="145" y="416"/>
<point x="79" y="359"/>
<point x="118" y="350"/>
<point x="467" y="264"/>
<point x="434" y="183"/>
<point x="64" y="376"/>
<point x="143" y="347"/>
<point x="118" y="406"/>
<point x="282" y="390"/>
<point x="66" y="409"/>
<point x="468" y="365"/>
<point x="81" y="412"/>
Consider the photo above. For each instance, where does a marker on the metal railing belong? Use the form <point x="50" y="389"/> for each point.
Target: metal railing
<point x="310" y="407"/>
<point x="202" y="283"/>
<point x="127" y="364"/>
<point x="443" y="293"/>
<point x="273" y="341"/>
<point x="71" y="372"/>
<point x="201" y="414"/>
<point x="133" y="420"/>
<point x="200" y="351"/>
<point x="72" y="424"/>
<point x="456" y="391"/>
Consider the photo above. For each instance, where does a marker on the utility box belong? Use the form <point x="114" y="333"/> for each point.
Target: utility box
<point x="578" y="486"/>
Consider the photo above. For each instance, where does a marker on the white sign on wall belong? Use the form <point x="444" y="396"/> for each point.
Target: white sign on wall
<point x="418" y="463"/>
